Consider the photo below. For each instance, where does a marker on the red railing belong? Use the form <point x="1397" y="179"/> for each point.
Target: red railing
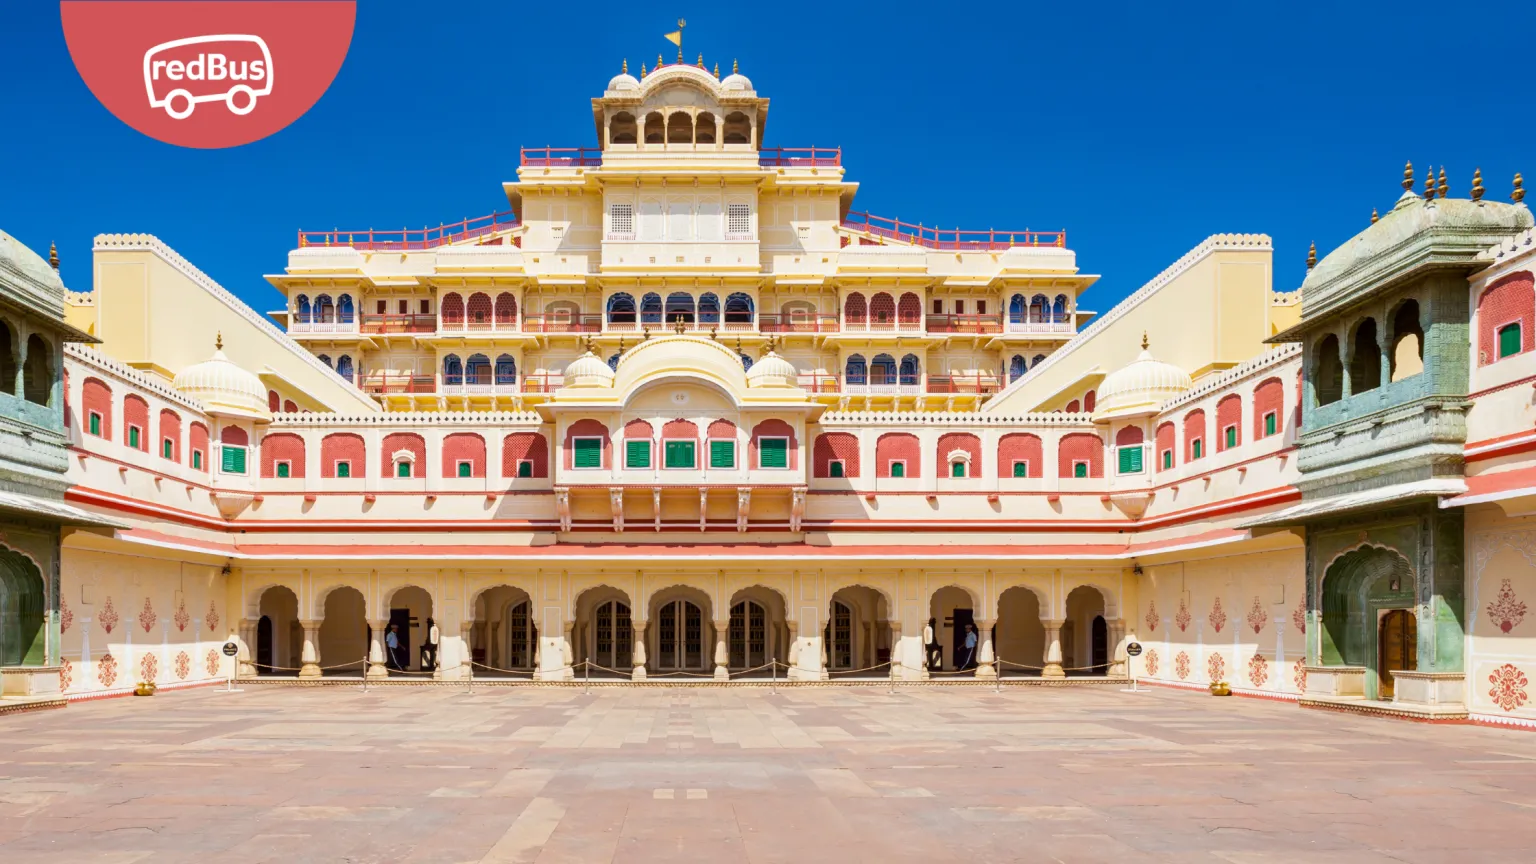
<point x="561" y="157"/>
<point x="562" y="323"/>
<point x="950" y="238"/>
<point x="382" y="384"/>
<point x="791" y="157"/>
<point x="399" y="323"/>
<point x="797" y="323"/>
<point x="412" y="238"/>
<point x="965" y="323"/>
<point x="819" y="383"/>
<point x="873" y="383"/>
<point x="546" y="382"/>
<point x="974" y="383"/>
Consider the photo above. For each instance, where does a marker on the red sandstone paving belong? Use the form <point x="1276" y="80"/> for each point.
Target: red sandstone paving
<point x="828" y="774"/>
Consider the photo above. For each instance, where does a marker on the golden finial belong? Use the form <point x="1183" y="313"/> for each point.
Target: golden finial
<point x="734" y="70"/>
<point x="658" y="59"/>
<point x="714" y="334"/>
<point x="717" y="71"/>
<point x="1312" y="256"/>
<point x="590" y="345"/>
<point x="1477" y="184"/>
<point x="645" y="334"/>
<point x="625" y="70"/>
<point x="1429" y="185"/>
<point x="701" y="61"/>
<point x="1443" y="188"/>
<point x="773" y="342"/>
<point x="53" y="256"/>
<point x="678" y="324"/>
<point x="738" y="343"/>
<point x="643" y="73"/>
<point x="218" y="341"/>
<point x="1519" y="194"/>
<point x="621" y="343"/>
<point x="1408" y="176"/>
<point x="1374" y="217"/>
<point x="1145" y="342"/>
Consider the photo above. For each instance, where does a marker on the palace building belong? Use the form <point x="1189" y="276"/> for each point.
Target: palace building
<point x="682" y="412"/>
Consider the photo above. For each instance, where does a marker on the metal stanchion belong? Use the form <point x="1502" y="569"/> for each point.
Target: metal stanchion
<point x="586" y="677"/>
<point x="365" y="671"/>
<point x="773" y="679"/>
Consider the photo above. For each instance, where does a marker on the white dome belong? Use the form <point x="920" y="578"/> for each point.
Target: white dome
<point x="1140" y="387"/>
<point x="224" y="388"/>
<point x="588" y="370"/>
<point x="624" y="81"/>
<point x="771" y="370"/>
<point x="736" y="81"/>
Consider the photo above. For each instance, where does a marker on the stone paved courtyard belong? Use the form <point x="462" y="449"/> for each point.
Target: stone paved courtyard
<point x="824" y="774"/>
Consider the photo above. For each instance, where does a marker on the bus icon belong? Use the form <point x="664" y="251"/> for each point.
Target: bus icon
<point x="233" y="69"/>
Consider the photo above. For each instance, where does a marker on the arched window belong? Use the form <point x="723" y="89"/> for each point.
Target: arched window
<point x="738" y="128"/>
<point x="680" y="305"/>
<point x="1510" y="339"/>
<point x="855" y="373"/>
<point x="655" y="128"/>
<point x="709" y="309"/>
<point x="613" y="362"/>
<point x="746" y="363"/>
<point x="622" y="129"/>
<point x="344" y="366"/>
<point x="1059" y="311"/>
<point x="1039" y="309"/>
<point x="506" y="310"/>
<point x="1328" y="373"/>
<point x="704" y="132"/>
<point x="909" y="312"/>
<point x="344" y="311"/>
<point x="621" y="309"/>
<point x="911" y="370"/>
<point x="738" y="309"/>
<point x="478" y="311"/>
<point x="506" y="370"/>
<point x="882" y="310"/>
<point x="477" y="369"/>
<point x="325" y="311"/>
<point x="324" y="358"/>
<point x="650" y="309"/>
<point x="679" y="128"/>
<point x="37" y="371"/>
<point x="1015" y="367"/>
<point x="1016" y="313"/>
<point x="882" y="369"/>
<point x="1365" y="362"/>
<point x="301" y="308"/>
<point x="453" y="370"/>
<point x="1039" y="358"/>
<point x="452" y="309"/>
<point x="1407" y="341"/>
<point x="854" y="309"/>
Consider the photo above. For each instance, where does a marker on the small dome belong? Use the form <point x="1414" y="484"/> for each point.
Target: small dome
<point x="224" y="388"/>
<point x="1140" y="387"/>
<point x="624" y="81"/>
<point x="588" y="370"/>
<point x="736" y="81"/>
<point x="771" y="370"/>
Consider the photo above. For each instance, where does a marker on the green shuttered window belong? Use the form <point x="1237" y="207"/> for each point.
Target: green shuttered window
<point x="283" y="470"/>
<point x="1021" y="469"/>
<point x="1509" y="340"/>
<point x="525" y="468"/>
<point x="588" y="453"/>
<point x="1271" y="422"/>
<point x="1080" y="469"/>
<point x="637" y="453"/>
<point x="233" y="459"/>
<point x="679" y="454"/>
<point x="722" y="454"/>
<point x="773" y="453"/>
<point x="1231" y="437"/>
<point x="1130" y="459"/>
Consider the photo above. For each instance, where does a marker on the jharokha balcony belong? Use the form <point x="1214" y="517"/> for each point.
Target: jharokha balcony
<point x="592" y="157"/>
<point x="462" y="384"/>
<point x="951" y="239"/>
<point x="407" y="239"/>
<point x="874" y="383"/>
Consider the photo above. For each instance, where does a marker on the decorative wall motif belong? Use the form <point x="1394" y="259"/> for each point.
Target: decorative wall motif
<point x="1182" y="617"/>
<point x="1508" y="687"/>
<point x="212" y="617"/>
<point x="1299" y="675"/>
<point x="1152" y="617"/>
<point x="149" y="667"/>
<point x="1217" y="666"/>
<point x="66" y="616"/>
<point x="1257" y="617"/>
<point x="1299" y="617"/>
<point x="181" y="617"/>
<point x="147" y="617"/>
<point x="1152" y="662"/>
<point x="108" y="616"/>
<point x="1181" y="665"/>
<point x="66" y="675"/>
<point x="106" y="670"/>
<point x="1506" y="610"/>
<point x="212" y="661"/>
<point x="183" y="665"/>
<point x="1258" y="670"/>
<point x="1218" y="618"/>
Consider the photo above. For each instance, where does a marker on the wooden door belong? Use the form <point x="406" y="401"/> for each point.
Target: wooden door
<point x="1398" y="647"/>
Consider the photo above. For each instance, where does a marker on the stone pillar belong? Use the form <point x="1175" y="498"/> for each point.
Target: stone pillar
<point x="1052" y="651"/>
<point x="466" y="668"/>
<point x="986" y="661"/>
<point x="376" y="667"/>
<point x="896" y="650"/>
<point x="722" y="650"/>
<point x="1117" y="659"/>
<point x="638" y="657"/>
<point x="309" y="654"/>
<point x="244" y="667"/>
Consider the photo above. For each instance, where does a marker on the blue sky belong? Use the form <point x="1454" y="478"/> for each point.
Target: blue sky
<point x="1139" y="129"/>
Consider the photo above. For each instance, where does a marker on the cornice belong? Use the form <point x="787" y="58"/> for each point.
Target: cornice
<point x="1246" y="369"/>
<point x="128" y="375"/>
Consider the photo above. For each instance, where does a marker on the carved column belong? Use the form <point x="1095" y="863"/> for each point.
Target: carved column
<point x="1052" y="651"/>
<point x="986" y="661"/>
<point x="638" y="657"/>
<point x="1117" y="660"/>
<point x="244" y="668"/>
<point x="466" y="649"/>
<point x="309" y="656"/>
<point x="722" y="650"/>
<point x="897" y="650"/>
<point x="376" y="667"/>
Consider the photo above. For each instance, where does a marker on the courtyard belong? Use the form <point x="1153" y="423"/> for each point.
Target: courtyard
<point x="842" y="774"/>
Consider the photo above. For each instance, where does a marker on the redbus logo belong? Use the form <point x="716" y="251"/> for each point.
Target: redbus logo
<point x="205" y="69"/>
<point x="185" y="53"/>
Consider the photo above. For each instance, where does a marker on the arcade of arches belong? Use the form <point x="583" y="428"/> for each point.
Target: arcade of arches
<point x="557" y="627"/>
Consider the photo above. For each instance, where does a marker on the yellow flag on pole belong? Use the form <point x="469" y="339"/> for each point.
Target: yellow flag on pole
<point x="675" y="37"/>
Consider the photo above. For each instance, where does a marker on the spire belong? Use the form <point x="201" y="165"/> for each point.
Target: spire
<point x="1408" y="176"/>
<point x="1145" y="342"/>
<point x="659" y="61"/>
<point x="643" y="73"/>
<point x="1374" y="217"/>
<point x="625" y="70"/>
<point x="53" y="256"/>
<point x="1443" y="188"/>
<point x="589" y="345"/>
<point x="1429" y="185"/>
<point x="1477" y="184"/>
<point x="717" y="71"/>
<point x="1519" y="194"/>
<point x="773" y="342"/>
<point x="701" y="61"/>
<point x="218" y="341"/>
<point x="1312" y="256"/>
<point x="734" y="70"/>
<point x="678" y="324"/>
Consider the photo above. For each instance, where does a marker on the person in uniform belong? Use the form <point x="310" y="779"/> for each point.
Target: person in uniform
<point x="429" y="648"/>
<point x="934" y="656"/>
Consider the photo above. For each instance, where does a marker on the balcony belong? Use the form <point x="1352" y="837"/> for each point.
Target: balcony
<point x="484" y="385"/>
<point x="653" y="321"/>
<point x="560" y="157"/>
<point x="874" y="384"/>
<point x="899" y="324"/>
<point x="386" y="324"/>
<point x="323" y="324"/>
<point x="797" y="323"/>
<point x="800" y="157"/>
<point x="965" y="324"/>
<point x="592" y="157"/>
<point x="562" y="323"/>
<point x="380" y="385"/>
<point x="406" y="239"/>
<point x="953" y="239"/>
<point x="974" y="384"/>
<point x="1041" y="327"/>
<point x="469" y="324"/>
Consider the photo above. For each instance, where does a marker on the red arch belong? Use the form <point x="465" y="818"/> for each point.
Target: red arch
<point x="1020" y="446"/>
<point x="463" y="446"/>
<point x="170" y="427"/>
<point x="136" y="414"/>
<point x="524" y="445"/>
<point x="342" y="447"/>
<point x="898" y="447"/>
<point x="282" y="447"/>
<point x="1080" y="447"/>
<point x="775" y="429"/>
<point x="587" y="428"/>
<point x="1229" y="412"/>
<point x="832" y="446"/>
<point x="1268" y="397"/>
<point x="1166" y="444"/>
<point x="397" y="441"/>
<point x="1194" y="427"/>
<point x="1508" y="300"/>
<point x="96" y="397"/>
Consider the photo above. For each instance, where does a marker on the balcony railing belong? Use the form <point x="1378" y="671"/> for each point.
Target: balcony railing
<point x="461" y="385"/>
<point x="389" y="384"/>
<point x="883" y="325"/>
<point x="1040" y="327"/>
<point x="965" y="323"/>
<point x="399" y="323"/>
<point x="562" y="323"/>
<point x="561" y="157"/>
<point x="795" y="157"/>
<point x="412" y="238"/>
<point x="950" y="238"/>
<point x="795" y="323"/>
<point x="310" y="324"/>
<point x="478" y="325"/>
<point x="545" y="382"/>
<point x="873" y="384"/>
<point x="977" y="383"/>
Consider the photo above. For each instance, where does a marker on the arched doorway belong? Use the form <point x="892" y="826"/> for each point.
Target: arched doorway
<point x="409" y="609"/>
<point x="279" y="636"/>
<point x="22" y="605"/>
<point x="952" y="609"/>
<point x="344" y="632"/>
<point x="1099" y="645"/>
<point x="1399" y="640"/>
<point x="603" y="632"/>
<point x="757" y="632"/>
<point x="679" y="636"/>
<point x="1018" y="637"/>
<point x="1085" y="633"/>
<point x="1361" y="590"/>
<point x="504" y="638"/>
<point x="858" y="632"/>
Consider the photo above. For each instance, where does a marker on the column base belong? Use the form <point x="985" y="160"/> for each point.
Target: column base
<point x="555" y="675"/>
<point x="986" y="670"/>
<point x="722" y="674"/>
<point x="245" y="669"/>
<point x="1117" y="669"/>
<point x="377" y="671"/>
<point x="309" y="670"/>
<point x="638" y="674"/>
<point x="1053" y="670"/>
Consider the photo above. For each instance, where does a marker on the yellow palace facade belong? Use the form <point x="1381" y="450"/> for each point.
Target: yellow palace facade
<point x="684" y="412"/>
